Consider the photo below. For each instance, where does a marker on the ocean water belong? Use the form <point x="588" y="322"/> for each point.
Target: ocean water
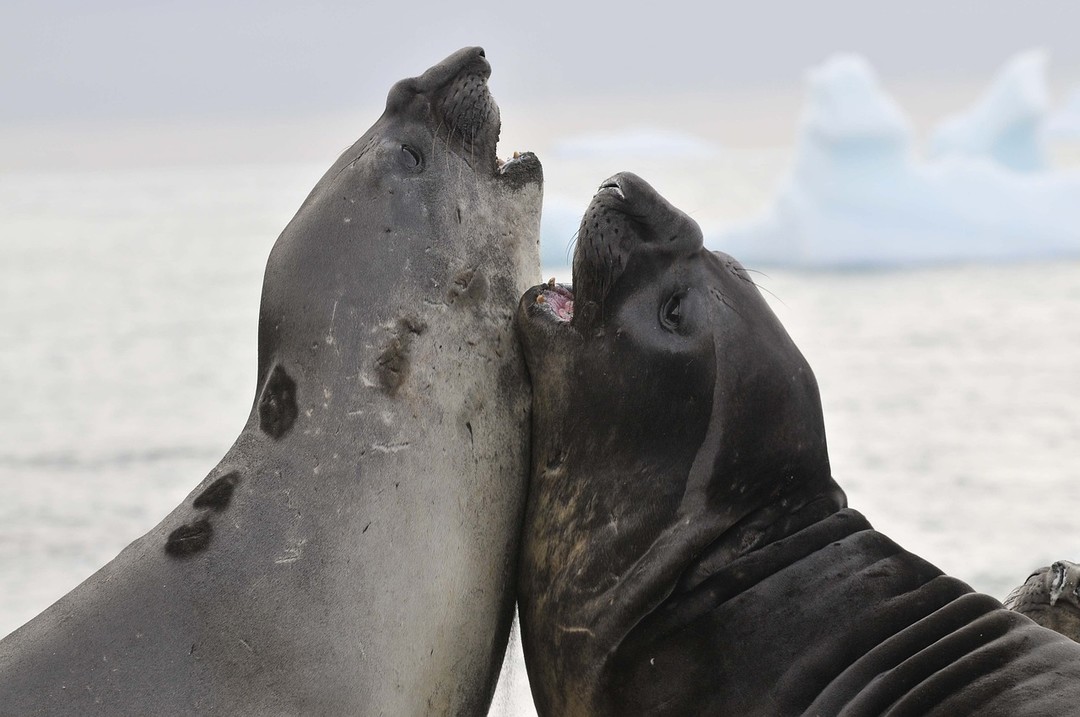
<point x="127" y="348"/>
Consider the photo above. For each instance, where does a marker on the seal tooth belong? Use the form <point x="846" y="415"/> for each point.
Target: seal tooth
<point x="551" y="283"/>
<point x="540" y="299"/>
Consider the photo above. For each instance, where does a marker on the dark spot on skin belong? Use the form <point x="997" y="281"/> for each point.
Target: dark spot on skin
<point x="365" y="528"/>
<point x="218" y="494"/>
<point x="461" y="281"/>
<point x="277" y="405"/>
<point x="392" y="365"/>
<point x="189" y="539"/>
<point x="468" y="288"/>
<point x="469" y="426"/>
<point x="412" y="325"/>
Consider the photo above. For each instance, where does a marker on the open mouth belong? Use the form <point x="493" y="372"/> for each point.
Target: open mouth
<point x="503" y="166"/>
<point x="557" y="300"/>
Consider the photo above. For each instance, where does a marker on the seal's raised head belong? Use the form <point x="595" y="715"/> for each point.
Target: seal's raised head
<point x="425" y="172"/>
<point x="689" y="335"/>
<point x="452" y="101"/>
<point x="669" y="404"/>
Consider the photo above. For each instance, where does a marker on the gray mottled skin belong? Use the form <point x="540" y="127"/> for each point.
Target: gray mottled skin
<point x="686" y="550"/>
<point x="353" y="553"/>
<point x="1051" y="597"/>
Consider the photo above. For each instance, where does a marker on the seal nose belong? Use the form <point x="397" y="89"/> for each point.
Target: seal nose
<point x="612" y="186"/>
<point x="475" y="60"/>
<point x="467" y="60"/>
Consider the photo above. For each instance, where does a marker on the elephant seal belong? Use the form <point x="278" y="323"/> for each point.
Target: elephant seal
<point x="1051" y="597"/>
<point x="686" y="550"/>
<point x="353" y="552"/>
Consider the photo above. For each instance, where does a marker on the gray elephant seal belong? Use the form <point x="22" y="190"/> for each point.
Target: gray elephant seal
<point x="353" y="553"/>
<point x="1051" y="597"/>
<point x="686" y="550"/>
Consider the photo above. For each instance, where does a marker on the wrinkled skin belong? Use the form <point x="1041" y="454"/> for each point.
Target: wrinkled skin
<point x="354" y="551"/>
<point x="686" y="551"/>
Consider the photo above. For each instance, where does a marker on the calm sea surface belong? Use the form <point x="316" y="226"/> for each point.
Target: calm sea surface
<point x="128" y="313"/>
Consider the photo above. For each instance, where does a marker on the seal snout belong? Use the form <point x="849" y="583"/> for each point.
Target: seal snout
<point x="453" y="98"/>
<point x="611" y="186"/>
<point x="463" y="103"/>
<point x="466" y="61"/>
<point x="615" y="223"/>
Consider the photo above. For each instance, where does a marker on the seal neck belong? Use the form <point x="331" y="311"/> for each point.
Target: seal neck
<point x="800" y="508"/>
<point x="703" y="543"/>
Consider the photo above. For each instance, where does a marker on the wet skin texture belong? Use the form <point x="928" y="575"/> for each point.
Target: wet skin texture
<point x="354" y="551"/>
<point x="686" y="550"/>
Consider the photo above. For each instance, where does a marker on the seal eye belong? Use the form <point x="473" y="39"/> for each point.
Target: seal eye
<point x="410" y="156"/>
<point x="671" y="313"/>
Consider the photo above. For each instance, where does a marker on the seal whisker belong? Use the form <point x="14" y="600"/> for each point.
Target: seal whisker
<point x="571" y="245"/>
<point x="761" y="287"/>
<point x="744" y="273"/>
<point x="435" y="135"/>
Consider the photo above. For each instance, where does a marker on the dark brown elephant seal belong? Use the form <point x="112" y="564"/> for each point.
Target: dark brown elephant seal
<point x="686" y="550"/>
<point x="353" y="552"/>
<point x="1051" y="597"/>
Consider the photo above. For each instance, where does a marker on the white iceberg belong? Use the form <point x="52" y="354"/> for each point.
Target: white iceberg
<point x="1064" y="125"/>
<point x="1007" y="123"/>
<point x="857" y="196"/>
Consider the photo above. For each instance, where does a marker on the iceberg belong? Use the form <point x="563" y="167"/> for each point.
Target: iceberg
<point x="857" y="196"/>
<point x="1064" y="125"/>
<point x="1007" y="123"/>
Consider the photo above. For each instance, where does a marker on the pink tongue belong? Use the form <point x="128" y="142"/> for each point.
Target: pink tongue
<point x="562" y="305"/>
<point x="565" y="310"/>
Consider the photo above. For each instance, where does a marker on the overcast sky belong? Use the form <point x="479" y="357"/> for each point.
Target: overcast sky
<point x="145" y="81"/>
<point x="147" y="59"/>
